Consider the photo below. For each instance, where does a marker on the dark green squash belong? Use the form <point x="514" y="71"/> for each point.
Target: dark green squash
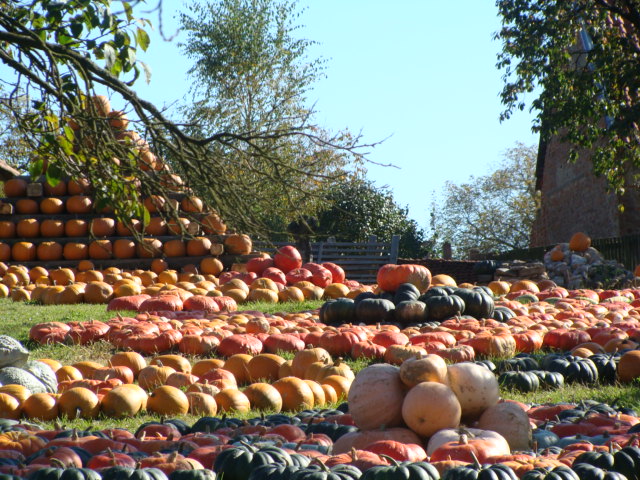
<point x="237" y="463"/>
<point x="128" y="473"/>
<point x="201" y="474"/>
<point x="558" y="473"/>
<point x="497" y="471"/>
<point x="442" y="307"/>
<point x="477" y="303"/>
<point x="519" y="380"/>
<point x="374" y="310"/>
<point x="502" y="314"/>
<point x="406" y="291"/>
<point x="322" y="472"/>
<point x="338" y="311"/>
<point x="402" y="471"/>
<point x="410" y="312"/>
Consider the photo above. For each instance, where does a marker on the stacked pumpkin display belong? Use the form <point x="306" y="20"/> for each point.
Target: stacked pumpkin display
<point x="63" y="228"/>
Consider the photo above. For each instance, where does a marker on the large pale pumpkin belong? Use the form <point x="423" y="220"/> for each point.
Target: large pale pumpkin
<point x="391" y="276"/>
<point x="124" y="401"/>
<point x="475" y="386"/>
<point x="509" y="420"/>
<point x="429" y="407"/>
<point x="375" y="397"/>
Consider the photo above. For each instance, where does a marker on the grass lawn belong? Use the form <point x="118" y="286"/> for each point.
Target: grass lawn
<point x="17" y="318"/>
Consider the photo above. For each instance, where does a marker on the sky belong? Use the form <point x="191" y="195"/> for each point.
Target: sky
<point x="417" y="73"/>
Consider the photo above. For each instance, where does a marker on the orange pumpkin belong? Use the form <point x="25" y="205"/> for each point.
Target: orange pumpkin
<point x="124" y="248"/>
<point x="174" y="248"/>
<point x="213" y="224"/>
<point x="238" y="244"/>
<point x="52" y="205"/>
<point x="101" y="250"/>
<point x="79" y="204"/>
<point x="23" y="252"/>
<point x="15" y="187"/>
<point x="27" y="206"/>
<point x="103" y="227"/>
<point x="7" y="229"/>
<point x="75" y="251"/>
<point x="26" y="228"/>
<point x="579" y="242"/>
<point x="296" y="394"/>
<point x="49" y="251"/>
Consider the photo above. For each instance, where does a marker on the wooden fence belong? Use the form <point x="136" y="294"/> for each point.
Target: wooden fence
<point x="625" y="250"/>
<point x="360" y="261"/>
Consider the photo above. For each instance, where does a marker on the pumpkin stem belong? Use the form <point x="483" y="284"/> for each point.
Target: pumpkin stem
<point x="56" y="462"/>
<point x="476" y="462"/>
<point x="354" y="454"/>
<point x="391" y="460"/>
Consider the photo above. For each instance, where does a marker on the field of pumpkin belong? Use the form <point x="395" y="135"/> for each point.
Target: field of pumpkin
<point x="416" y="378"/>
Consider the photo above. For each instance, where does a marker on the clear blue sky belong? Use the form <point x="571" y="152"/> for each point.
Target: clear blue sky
<point x="421" y="72"/>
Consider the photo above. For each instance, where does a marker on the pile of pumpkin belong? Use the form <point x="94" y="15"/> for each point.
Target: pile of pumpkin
<point x="196" y="288"/>
<point x="104" y="229"/>
<point x="128" y="385"/>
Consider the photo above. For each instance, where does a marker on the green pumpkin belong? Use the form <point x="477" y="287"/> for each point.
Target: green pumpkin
<point x="374" y="310"/>
<point x="202" y="474"/>
<point x="79" y="474"/>
<point x="477" y="303"/>
<point x="586" y="471"/>
<point x="497" y="471"/>
<point x="521" y="381"/>
<point x="338" y="311"/>
<point x="402" y="471"/>
<point x="322" y="472"/>
<point x="237" y="463"/>
<point x="627" y="462"/>
<point x="405" y="292"/>
<point x="442" y="307"/>
<point x="128" y="473"/>
<point x="272" y="472"/>
<point x="518" y="364"/>
<point x="503" y="314"/>
<point x="211" y="424"/>
<point x="558" y="473"/>
<point x="410" y="312"/>
<point x="47" y="473"/>
<point x="548" y="379"/>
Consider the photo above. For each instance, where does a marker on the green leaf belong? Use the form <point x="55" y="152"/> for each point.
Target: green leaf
<point x="128" y="10"/>
<point x="35" y="167"/>
<point x="76" y="28"/>
<point x="146" y="216"/>
<point x="53" y="174"/>
<point x="142" y="38"/>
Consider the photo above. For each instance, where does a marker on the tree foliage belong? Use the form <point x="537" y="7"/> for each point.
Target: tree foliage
<point x="251" y="74"/>
<point x="359" y="209"/>
<point x="491" y="213"/>
<point x="62" y="53"/>
<point x="583" y="58"/>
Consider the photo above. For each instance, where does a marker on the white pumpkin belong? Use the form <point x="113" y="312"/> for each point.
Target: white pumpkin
<point x="475" y="386"/>
<point x="375" y="397"/>
<point x="509" y="420"/>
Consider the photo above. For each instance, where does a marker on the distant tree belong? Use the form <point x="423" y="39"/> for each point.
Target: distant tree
<point x="575" y="64"/>
<point x="492" y="213"/>
<point x="359" y="209"/>
<point x="14" y="150"/>
<point x="252" y="73"/>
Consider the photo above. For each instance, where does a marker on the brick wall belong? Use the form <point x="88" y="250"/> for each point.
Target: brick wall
<point x="574" y="199"/>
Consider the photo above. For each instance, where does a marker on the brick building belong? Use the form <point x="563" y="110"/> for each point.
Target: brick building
<point x="574" y="199"/>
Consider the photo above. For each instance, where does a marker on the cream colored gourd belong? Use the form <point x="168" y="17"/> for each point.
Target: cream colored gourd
<point x="509" y="420"/>
<point x="475" y="386"/>
<point x="376" y="396"/>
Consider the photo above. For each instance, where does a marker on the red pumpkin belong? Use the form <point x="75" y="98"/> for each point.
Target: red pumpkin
<point x="336" y="271"/>
<point x="259" y="265"/>
<point x="287" y="258"/>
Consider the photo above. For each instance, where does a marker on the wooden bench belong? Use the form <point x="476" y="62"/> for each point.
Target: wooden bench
<point x="360" y="261"/>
